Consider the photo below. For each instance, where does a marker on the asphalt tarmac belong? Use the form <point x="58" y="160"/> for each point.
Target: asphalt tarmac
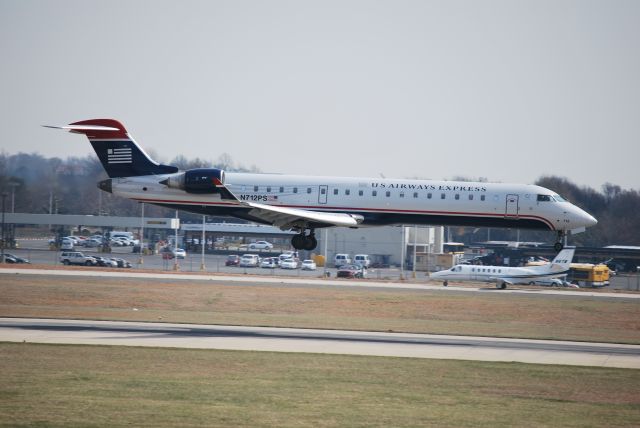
<point x="318" y="341"/>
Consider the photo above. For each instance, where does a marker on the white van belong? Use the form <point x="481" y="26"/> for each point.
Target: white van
<point x="362" y="260"/>
<point x="341" y="260"/>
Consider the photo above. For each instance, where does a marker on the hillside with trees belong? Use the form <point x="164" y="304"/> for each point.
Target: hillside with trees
<point x="68" y="186"/>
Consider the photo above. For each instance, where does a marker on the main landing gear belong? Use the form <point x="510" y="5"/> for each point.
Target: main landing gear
<point x="562" y="236"/>
<point x="305" y="242"/>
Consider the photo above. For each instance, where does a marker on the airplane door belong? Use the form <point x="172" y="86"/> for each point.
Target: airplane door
<point x="322" y="194"/>
<point x="511" y="209"/>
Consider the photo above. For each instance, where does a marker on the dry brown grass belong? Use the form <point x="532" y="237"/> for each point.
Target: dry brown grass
<point x="493" y="314"/>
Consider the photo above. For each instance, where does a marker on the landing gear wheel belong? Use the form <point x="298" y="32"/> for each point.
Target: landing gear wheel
<point x="304" y="242"/>
<point x="310" y="242"/>
<point x="298" y="241"/>
<point x="445" y="283"/>
<point x="502" y="285"/>
<point x="558" y="246"/>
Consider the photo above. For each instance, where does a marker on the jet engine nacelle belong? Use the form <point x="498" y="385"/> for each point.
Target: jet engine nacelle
<point x="199" y="180"/>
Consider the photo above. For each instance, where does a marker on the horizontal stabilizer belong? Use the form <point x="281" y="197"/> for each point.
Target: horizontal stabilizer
<point x="72" y="128"/>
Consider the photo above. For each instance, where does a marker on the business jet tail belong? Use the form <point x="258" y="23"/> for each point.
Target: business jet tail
<point x="562" y="261"/>
<point x="118" y="152"/>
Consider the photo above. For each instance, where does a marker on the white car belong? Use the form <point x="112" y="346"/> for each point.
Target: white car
<point x="116" y="242"/>
<point x="124" y="241"/>
<point x="67" y="244"/>
<point x="287" y="255"/>
<point x="171" y="253"/>
<point x="76" y="258"/>
<point x="249" y="260"/>
<point x="260" y="245"/>
<point x="93" y="242"/>
<point x="269" y="263"/>
<point x="289" y="264"/>
<point x="308" y="265"/>
<point x="179" y="253"/>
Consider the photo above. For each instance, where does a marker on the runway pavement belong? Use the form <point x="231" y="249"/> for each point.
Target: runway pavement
<point x="255" y="279"/>
<point x="318" y="341"/>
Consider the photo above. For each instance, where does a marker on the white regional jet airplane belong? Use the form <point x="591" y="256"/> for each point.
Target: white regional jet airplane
<point x="503" y="275"/>
<point x="306" y="203"/>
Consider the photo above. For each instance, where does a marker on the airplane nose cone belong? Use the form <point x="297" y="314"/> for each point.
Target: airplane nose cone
<point x="591" y="220"/>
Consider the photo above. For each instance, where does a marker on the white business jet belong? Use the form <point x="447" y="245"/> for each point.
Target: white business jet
<point x="307" y="203"/>
<point x="504" y="275"/>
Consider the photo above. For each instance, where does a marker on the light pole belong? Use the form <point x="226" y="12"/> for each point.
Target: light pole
<point x="415" y="239"/>
<point x="4" y="197"/>
<point x="202" y="242"/>
<point x="141" y="261"/>
<point x="176" y="266"/>
<point x="402" y="250"/>
<point x="13" y="186"/>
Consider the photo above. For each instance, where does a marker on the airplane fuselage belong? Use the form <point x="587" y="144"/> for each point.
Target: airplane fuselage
<point x="378" y="201"/>
<point x="305" y="203"/>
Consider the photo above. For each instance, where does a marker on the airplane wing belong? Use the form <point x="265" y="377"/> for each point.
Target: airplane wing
<point x="287" y="218"/>
<point x="500" y="280"/>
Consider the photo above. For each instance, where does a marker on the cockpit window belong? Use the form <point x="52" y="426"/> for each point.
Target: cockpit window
<point x="544" y="198"/>
<point x="559" y="198"/>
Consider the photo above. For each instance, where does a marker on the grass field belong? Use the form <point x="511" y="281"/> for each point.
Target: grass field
<point x="485" y="314"/>
<point x="56" y="385"/>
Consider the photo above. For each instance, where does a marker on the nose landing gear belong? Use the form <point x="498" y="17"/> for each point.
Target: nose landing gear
<point x="560" y="240"/>
<point x="305" y="242"/>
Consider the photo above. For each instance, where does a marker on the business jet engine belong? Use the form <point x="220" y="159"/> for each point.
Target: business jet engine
<point x="199" y="180"/>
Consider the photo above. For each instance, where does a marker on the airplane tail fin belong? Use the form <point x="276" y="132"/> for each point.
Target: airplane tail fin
<point x="562" y="261"/>
<point x="118" y="152"/>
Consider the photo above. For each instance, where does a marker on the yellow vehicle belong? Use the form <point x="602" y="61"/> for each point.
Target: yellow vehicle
<point x="588" y="275"/>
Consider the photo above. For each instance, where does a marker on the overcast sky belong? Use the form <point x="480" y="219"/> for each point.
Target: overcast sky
<point x="507" y="90"/>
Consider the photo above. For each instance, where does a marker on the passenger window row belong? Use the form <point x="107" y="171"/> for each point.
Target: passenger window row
<point x="374" y="193"/>
<point x="486" y="270"/>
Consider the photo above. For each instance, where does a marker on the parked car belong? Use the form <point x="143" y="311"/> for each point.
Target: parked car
<point x="269" y="263"/>
<point x="124" y="241"/>
<point x="287" y="255"/>
<point x="92" y="242"/>
<point x="67" y="244"/>
<point x="116" y="242"/>
<point x="122" y="263"/>
<point x="554" y="282"/>
<point x="249" y="260"/>
<point x="103" y="261"/>
<point x="342" y="260"/>
<point x="362" y="260"/>
<point x="308" y="265"/>
<point x="260" y="245"/>
<point x="232" y="260"/>
<point x="171" y="253"/>
<point x="77" y="258"/>
<point x="10" y="258"/>
<point x="352" y="271"/>
<point x="290" y="263"/>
